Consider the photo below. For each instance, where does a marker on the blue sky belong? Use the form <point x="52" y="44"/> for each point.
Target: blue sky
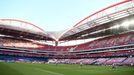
<point x="51" y="15"/>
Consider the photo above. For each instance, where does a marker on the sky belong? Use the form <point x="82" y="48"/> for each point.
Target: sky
<point x="51" y="15"/>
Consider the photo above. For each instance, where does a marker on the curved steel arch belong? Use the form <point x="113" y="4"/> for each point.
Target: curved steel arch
<point x="111" y="6"/>
<point x="23" y="22"/>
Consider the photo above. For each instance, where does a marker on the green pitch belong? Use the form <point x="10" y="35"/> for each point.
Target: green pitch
<point x="61" y="69"/>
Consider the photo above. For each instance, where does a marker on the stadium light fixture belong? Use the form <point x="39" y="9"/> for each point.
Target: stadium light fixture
<point x="126" y="24"/>
<point x="115" y="26"/>
<point x="132" y="21"/>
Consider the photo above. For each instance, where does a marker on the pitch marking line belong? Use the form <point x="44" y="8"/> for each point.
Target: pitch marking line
<point x="54" y="73"/>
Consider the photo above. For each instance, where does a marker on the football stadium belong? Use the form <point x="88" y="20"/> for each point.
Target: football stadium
<point x="100" y="44"/>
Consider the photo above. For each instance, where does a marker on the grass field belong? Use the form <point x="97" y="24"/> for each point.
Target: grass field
<point x="61" y="69"/>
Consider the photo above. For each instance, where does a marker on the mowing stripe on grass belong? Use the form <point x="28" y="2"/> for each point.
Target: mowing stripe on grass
<point x="51" y="72"/>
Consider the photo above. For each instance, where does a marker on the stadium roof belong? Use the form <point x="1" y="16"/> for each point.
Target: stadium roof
<point x="23" y="29"/>
<point x="83" y="29"/>
<point x="106" y="15"/>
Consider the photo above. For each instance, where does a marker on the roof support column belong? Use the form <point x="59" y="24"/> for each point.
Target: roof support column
<point x="56" y="43"/>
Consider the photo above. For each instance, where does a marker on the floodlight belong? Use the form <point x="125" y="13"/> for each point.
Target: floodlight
<point x="125" y="24"/>
<point x="115" y="26"/>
